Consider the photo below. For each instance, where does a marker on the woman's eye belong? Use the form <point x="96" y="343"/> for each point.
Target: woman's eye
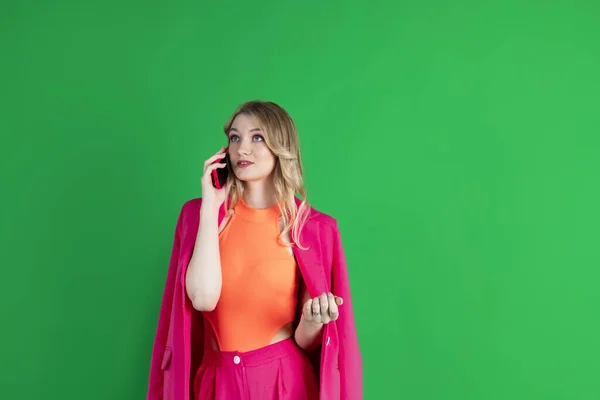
<point x="257" y="138"/>
<point x="233" y="138"/>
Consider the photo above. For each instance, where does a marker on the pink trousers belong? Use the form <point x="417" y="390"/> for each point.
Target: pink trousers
<point x="280" y="371"/>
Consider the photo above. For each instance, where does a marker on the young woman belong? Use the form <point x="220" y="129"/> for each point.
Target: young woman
<point x="266" y="309"/>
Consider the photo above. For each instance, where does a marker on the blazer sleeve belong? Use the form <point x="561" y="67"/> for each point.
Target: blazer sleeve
<point x="156" y="377"/>
<point x="350" y="360"/>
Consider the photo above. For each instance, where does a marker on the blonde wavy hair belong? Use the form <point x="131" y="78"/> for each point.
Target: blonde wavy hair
<point x="281" y="137"/>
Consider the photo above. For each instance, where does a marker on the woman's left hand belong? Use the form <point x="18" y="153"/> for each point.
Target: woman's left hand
<point x="322" y="309"/>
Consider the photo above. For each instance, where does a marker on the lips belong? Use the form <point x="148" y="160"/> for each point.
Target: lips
<point x="244" y="163"/>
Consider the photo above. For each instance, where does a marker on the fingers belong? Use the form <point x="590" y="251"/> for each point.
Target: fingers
<point x="312" y="310"/>
<point x="210" y="169"/>
<point x="220" y="154"/>
<point x="322" y="309"/>
<point x="324" y="304"/>
<point x="333" y="308"/>
<point x="307" y="310"/>
<point x="316" y="311"/>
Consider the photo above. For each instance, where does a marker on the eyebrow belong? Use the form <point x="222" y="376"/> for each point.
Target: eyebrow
<point x="251" y="130"/>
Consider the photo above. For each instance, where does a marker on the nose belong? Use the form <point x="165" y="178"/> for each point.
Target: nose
<point x="244" y="148"/>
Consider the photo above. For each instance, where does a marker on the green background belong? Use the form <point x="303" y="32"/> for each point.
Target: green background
<point x="455" y="142"/>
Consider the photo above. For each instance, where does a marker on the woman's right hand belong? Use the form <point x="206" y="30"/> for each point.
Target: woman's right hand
<point x="211" y="196"/>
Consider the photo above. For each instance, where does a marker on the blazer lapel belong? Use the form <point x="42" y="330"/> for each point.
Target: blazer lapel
<point x="310" y="261"/>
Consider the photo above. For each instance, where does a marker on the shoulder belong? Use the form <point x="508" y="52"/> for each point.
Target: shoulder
<point x="322" y="221"/>
<point x="316" y="218"/>
<point x="189" y="212"/>
<point x="191" y="205"/>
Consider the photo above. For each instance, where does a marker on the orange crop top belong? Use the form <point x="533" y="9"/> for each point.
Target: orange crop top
<point x="260" y="281"/>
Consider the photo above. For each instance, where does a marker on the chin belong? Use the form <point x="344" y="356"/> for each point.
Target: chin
<point x="250" y="177"/>
<point x="246" y="177"/>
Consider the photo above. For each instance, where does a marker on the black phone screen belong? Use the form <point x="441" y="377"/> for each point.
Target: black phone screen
<point x="222" y="173"/>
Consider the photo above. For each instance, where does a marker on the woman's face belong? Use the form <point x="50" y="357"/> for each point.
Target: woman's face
<point x="251" y="158"/>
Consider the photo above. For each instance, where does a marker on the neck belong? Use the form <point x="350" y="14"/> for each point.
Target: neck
<point x="259" y="194"/>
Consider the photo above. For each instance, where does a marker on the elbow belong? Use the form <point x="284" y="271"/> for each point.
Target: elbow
<point x="203" y="302"/>
<point x="308" y="347"/>
<point x="203" y="297"/>
<point x="204" y="306"/>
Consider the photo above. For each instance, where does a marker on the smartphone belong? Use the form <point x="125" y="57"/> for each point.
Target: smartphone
<point x="219" y="175"/>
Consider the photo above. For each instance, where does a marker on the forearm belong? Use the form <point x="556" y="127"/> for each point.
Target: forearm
<point x="308" y="334"/>
<point x="203" y="277"/>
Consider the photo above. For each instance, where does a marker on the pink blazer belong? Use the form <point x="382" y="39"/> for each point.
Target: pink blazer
<point x="177" y="350"/>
